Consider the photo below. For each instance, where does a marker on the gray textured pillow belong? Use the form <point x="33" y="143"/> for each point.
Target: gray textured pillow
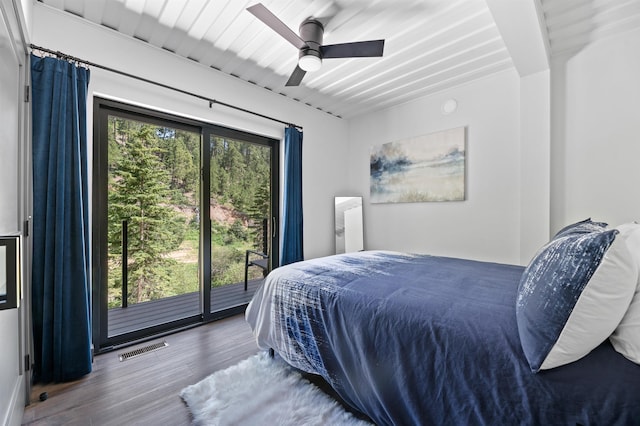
<point x="583" y="227"/>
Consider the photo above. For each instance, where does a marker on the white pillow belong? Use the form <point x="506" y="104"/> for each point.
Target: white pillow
<point x="626" y="337"/>
<point x="573" y="295"/>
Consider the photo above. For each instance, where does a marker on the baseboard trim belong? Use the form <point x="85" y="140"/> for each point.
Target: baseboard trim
<point x="16" y="404"/>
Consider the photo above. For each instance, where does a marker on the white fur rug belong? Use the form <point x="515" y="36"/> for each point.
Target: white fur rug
<point x="262" y="391"/>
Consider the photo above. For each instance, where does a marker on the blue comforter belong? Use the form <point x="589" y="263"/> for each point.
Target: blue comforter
<point x="425" y="340"/>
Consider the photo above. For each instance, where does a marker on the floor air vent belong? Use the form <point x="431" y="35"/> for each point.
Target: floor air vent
<point x="141" y="351"/>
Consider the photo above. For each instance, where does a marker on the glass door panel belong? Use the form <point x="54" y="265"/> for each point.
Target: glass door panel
<point x="153" y="225"/>
<point x="240" y="210"/>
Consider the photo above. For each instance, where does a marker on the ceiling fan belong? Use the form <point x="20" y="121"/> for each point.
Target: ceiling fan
<point x="309" y="43"/>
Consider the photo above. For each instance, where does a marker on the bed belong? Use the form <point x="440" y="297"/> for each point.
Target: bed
<point x="416" y="339"/>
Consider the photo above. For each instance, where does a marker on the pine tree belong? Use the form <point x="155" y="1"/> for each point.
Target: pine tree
<point x="140" y="194"/>
<point x="179" y="153"/>
<point x="258" y="180"/>
<point x="217" y="172"/>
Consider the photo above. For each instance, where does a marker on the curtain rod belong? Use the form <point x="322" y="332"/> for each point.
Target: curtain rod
<point x="165" y="86"/>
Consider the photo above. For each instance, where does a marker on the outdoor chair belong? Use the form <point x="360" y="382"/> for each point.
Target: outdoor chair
<point x="255" y="258"/>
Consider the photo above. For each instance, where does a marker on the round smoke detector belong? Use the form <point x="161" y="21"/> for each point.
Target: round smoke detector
<point x="449" y="106"/>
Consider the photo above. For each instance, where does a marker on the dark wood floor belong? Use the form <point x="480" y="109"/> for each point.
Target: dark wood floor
<point x="144" y="390"/>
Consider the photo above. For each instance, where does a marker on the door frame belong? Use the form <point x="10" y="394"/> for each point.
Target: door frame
<point x="102" y="108"/>
<point x="205" y="230"/>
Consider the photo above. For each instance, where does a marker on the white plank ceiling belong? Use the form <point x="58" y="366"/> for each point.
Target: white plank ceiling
<point x="431" y="45"/>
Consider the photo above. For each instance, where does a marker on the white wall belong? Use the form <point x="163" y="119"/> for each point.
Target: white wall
<point x="9" y="131"/>
<point x="24" y="14"/>
<point x="13" y="322"/>
<point x="325" y="136"/>
<point x="573" y="153"/>
<point x="596" y="132"/>
<point x="535" y="163"/>
<point x="11" y="378"/>
<point x="486" y="226"/>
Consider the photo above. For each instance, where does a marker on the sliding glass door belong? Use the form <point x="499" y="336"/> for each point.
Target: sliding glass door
<point x="175" y="221"/>
<point x="241" y="206"/>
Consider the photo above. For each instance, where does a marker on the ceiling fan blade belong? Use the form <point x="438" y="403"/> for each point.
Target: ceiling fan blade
<point x="358" y="49"/>
<point x="296" y="77"/>
<point x="265" y="15"/>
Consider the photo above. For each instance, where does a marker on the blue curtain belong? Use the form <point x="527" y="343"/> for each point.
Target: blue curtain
<point x="292" y="208"/>
<point x="60" y="268"/>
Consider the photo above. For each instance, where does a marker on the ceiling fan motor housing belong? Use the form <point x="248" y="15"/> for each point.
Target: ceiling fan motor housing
<point x="311" y="32"/>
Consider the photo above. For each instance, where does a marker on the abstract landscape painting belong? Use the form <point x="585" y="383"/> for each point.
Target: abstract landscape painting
<point x="425" y="168"/>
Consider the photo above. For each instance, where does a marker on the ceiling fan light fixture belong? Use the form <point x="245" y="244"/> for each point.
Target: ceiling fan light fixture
<point x="309" y="62"/>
